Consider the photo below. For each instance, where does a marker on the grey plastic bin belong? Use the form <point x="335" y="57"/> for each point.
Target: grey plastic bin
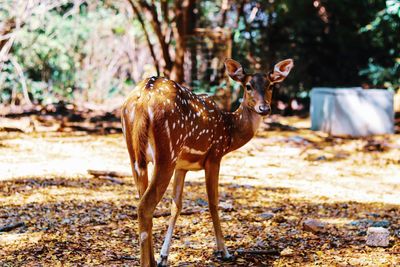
<point x="352" y="111"/>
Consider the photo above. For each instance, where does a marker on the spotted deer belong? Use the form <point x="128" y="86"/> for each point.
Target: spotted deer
<point x="167" y="124"/>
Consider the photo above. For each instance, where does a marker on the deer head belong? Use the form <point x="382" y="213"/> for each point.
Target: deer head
<point x="259" y="86"/>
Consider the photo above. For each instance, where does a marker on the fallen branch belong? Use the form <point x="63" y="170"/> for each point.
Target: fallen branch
<point x="111" y="179"/>
<point x="184" y="212"/>
<point x="235" y="176"/>
<point x="259" y="252"/>
<point x="96" y="173"/>
<point x="11" y="226"/>
<point x="115" y="257"/>
<point x="11" y="129"/>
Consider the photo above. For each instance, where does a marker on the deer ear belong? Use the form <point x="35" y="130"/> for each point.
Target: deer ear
<point x="281" y="70"/>
<point x="235" y="70"/>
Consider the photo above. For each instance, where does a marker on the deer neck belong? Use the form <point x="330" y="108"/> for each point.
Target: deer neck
<point x="245" y="124"/>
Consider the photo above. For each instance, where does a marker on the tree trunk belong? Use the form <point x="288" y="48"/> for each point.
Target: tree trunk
<point x="185" y="22"/>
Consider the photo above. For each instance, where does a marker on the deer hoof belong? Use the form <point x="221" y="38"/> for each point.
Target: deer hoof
<point x="223" y="256"/>
<point x="162" y="262"/>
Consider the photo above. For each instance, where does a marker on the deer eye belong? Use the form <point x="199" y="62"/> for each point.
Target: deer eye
<point x="248" y="87"/>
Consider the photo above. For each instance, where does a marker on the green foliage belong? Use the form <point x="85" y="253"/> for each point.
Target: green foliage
<point x="56" y="51"/>
<point x="326" y="53"/>
<point x="358" y="43"/>
<point x="384" y="66"/>
<point x="49" y="48"/>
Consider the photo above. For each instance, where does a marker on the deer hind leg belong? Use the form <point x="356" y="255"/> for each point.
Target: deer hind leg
<point x="212" y="175"/>
<point x="137" y="159"/>
<point x="152" y="196"/>
<point x="176" y="207"/>
<point x="139" y="172"/>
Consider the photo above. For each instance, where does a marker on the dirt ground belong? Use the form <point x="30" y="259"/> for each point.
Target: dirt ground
<point x="284" y="176"/>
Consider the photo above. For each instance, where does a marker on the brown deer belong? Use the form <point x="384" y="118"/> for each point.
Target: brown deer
<point x="165" y="123"/>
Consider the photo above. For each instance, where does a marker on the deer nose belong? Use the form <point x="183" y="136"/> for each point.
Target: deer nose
<point x="264" y="109"/>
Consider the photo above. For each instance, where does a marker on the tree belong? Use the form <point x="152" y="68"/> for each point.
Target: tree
<point x="384" y="65"/>
<point x="171" y="22"/>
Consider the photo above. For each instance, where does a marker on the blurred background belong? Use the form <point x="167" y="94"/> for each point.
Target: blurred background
<point x="94" y="52"/>
<point x="322" y="170"/>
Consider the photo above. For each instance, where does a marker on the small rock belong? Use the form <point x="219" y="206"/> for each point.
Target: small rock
<point x="362" y="223"/>
<point x="368" y="223"/>
<point x="362" y="233"/>
<point x="266" y="215"/>
<point x="287" y="252"/>
<point x="201" y="202"/>
<point x="66" y="221"/>
<point x="383" y="223"/>
<point x="397" y="233"/>
<point x="279" y="219"/>
<point x="377" y="237"/>
<point x="312" y="225"/>
<point x="277" y="209"/>
<point x="320" y="158"/>
<point x="226" y="206"/>
<point x="293" y="232"/>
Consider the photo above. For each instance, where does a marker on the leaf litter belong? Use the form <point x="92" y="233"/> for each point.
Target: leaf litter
<point x="59" y="215"/>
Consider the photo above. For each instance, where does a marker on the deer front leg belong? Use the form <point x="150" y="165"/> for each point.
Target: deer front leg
<point x="176" y="207"/>
<point x="212" y="176"/>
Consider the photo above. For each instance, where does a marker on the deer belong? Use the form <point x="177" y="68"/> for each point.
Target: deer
<point x="178" y="131"/>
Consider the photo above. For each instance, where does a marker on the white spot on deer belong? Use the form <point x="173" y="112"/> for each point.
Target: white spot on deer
<point x="173" y="125"/>
<point x="136" y="166"/>
<point x="193" y="151"/>
<point x="168" y="135"/>
<point x="143" y="236"/>
<point x="150" y="112"/>
<point x="149" y="153"/>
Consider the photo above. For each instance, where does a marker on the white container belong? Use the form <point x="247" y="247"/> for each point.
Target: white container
<point x="352" y="111"/>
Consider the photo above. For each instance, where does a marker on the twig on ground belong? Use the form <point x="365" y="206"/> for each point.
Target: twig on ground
<point x="98" y="173"/>
<point x="259" y="252"/>
<point x="111" y="179"/>
<point x="235" y="176"/>
<point x="184" y="212"/>
<point x="12" y="226"/>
